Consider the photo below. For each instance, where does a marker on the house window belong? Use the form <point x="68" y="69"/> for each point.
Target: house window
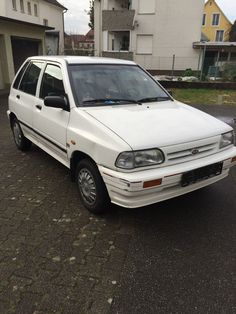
<point x="215" y="19"/>
<point x="35" y="10"/>
<point x="22" y="8"/>
<point x="29" y="8"/>
<point x="14" y="5"/>
<point x="144" y="44"/>
<point x="220" y="35"/>
<point x="204" y="20"/>
<point x="45" y="22"/>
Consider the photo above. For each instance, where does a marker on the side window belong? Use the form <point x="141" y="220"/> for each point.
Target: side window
<point x="19" y="76"/>
<point x="52" y="82"/>
<point x="30" y="79"/>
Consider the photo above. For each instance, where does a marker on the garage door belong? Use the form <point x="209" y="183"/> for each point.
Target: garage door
<point x="22" y="49"/>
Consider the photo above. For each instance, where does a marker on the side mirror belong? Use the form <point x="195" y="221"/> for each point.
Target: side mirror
<point x="56" y="102"/>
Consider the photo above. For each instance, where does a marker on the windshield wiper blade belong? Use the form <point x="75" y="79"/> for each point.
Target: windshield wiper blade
<point x="153" y="99"/>
<point x="111" y="101"/>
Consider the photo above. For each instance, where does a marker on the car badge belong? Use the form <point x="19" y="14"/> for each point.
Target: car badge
<point x="195" y="151"/>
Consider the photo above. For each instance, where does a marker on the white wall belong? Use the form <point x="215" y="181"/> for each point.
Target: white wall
<point x="18" y="15"/>
<point x="175" y="25"/>
<point x="54" y="15"/>
<point x="174" y="28"/>
<point x="98" y="5"/>
<point x="2" y="8"/>
<point x="47" y="11"/>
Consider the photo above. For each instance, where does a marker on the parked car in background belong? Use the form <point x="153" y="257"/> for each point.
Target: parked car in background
<point x="121" y="134"/>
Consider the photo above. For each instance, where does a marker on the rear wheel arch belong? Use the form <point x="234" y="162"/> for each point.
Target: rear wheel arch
<point x="12" y="117"/>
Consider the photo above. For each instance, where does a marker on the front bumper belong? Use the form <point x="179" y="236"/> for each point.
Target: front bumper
<point x="126" y="189"/>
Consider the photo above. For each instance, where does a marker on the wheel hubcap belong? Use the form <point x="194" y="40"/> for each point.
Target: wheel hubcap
<point x="87" y="186"/>
<point x="17" y="133"/>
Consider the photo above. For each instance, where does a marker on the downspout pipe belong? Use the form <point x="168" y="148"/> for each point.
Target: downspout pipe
<point x="63" y="18"/>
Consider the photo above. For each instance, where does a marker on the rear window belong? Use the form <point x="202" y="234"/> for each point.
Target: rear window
<point x="19" y="76"/>
<point x="29" y="81"/>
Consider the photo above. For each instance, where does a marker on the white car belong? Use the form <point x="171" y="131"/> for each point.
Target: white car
<point x="121" y="134"/>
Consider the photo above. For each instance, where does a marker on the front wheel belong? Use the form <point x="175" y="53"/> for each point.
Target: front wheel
<point x="92" y="190"/>
<point x="22" y="143"/>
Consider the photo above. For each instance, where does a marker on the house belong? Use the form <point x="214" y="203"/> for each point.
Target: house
<point x="80" y="44"/>
<point x="157" y="34"/>
<point x="215" y="25"/>
<point x="216" y="50"/>
<point x="28" y="28"/>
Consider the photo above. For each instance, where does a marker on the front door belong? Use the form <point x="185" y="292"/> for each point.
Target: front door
<point x="50" y="124"/>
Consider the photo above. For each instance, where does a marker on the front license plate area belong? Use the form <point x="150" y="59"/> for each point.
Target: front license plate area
<point x="201" y="174"/>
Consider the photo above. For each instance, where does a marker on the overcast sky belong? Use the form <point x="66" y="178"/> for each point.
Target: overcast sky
<point x="76" y="19"/>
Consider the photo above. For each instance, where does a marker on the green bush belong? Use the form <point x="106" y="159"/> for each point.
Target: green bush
<point x="229" y="72"/>
<point x="188" y="72"/>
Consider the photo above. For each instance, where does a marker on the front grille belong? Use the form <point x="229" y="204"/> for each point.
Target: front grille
<point x="190" y="151"/>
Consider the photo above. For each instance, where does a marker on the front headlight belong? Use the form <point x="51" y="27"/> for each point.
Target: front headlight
<point x="142" y="158"/>
<point x="227" y="139"/>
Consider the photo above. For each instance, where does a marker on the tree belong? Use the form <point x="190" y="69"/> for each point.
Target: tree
<point x="232" y="33"/>
<point x="91" y="14"/>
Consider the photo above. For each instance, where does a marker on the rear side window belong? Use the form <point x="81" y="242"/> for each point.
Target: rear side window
<point x="30" y="79"/>
<point x="19" y="76"/>
<point x="52" y="82"/>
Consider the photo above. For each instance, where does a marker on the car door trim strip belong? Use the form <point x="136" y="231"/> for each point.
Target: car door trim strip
<point x="44" y="137"/>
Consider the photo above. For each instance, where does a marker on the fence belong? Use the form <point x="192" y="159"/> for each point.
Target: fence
<point x="173" y="66"/>
<point x="79" y="52"/>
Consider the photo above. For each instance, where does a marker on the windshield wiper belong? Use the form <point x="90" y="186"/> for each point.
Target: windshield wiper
<point x="110" y="101"/>
<point x="153" y="99"/>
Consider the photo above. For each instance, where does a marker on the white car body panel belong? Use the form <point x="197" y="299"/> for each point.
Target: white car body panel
<point x="126" y="189"/>
<point x="104" y="132"/>
<point x="158" y="124"/>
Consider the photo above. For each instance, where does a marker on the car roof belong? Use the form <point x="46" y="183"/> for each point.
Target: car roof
<point x="83" y="60"/>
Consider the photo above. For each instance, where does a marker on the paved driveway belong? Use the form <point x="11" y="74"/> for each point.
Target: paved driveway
<point x="175" y="257"/>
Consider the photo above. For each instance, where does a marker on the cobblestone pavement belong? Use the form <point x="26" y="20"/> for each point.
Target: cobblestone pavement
<point x="54" y="256"/>
<point x="57" y="258"/>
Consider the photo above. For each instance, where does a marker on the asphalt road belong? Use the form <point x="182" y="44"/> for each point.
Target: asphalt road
<point x="178" y="256"/>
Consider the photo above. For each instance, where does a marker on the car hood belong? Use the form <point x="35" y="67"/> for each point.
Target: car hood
<point x="158" y="124"/>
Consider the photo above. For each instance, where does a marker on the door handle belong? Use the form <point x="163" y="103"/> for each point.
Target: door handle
<point x="18" y="96"/>
<point x="39" y="107"/>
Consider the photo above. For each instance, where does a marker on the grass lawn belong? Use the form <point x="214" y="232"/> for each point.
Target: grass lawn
<point x="205" y="96"/>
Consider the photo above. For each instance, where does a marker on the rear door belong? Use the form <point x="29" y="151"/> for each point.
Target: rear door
<point x="50" y="124"/>
<point x="23" y="94"/>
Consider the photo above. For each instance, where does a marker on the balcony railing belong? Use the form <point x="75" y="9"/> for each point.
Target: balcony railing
<point x="117" y="20"/>
<point x="125" y="55"/>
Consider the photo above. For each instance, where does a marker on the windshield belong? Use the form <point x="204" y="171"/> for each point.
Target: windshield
<point x="105" y="84"/>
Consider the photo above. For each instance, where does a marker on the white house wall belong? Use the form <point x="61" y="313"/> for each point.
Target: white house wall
<point x="2" y="8"/>
<point x="98" y="6"/>
<point x="55" y="19"/>
<point x="47" y="11"/>
<point x="174" y="25"/>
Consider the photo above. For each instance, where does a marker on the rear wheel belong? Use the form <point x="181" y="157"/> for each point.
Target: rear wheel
<point x="92" y="190"/>
<point x="22" y="143"/>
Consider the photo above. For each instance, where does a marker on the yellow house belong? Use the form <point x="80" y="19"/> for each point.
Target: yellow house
<point x="215" y="25"/>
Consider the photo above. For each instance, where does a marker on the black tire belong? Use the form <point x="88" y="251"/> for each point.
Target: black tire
<point x="92" y="189"/>
<point x="22" y="143"/>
